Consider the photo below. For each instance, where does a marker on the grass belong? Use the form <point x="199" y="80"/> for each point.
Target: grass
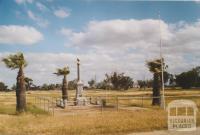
<point x="31" y="109"/>
<point x="38" y="122"/>
<point x="10" y="110"/>
<point x="105" y="123"/>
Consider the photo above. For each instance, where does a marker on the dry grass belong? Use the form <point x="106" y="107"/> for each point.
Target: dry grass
<point x="107" y="122"/>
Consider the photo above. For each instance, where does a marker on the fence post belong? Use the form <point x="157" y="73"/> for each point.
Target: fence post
<point x="40" y="102"/>
<point x="142" y="101"/>
<point x="52" y="107"/>
<point x="48" y="105"/>
<point x="117" y="104"/>
<point x="101" y="105"/>
<point x="44" y="104"/>
<point x="35" y="101"/>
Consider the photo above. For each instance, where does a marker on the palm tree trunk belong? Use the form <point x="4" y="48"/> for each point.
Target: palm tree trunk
<point x="64" y="89"/>
<point x="156" y="89"/>
<point x="20" y="92"/>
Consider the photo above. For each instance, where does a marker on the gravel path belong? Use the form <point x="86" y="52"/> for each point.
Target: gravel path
<point x="166" y="132"/>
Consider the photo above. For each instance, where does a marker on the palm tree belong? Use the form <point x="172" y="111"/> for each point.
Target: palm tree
<point x="64" y="72"/>
<point x="155" y="68"/>
<point x="17" y="61"/>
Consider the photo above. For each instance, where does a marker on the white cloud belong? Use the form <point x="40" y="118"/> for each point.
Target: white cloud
<point x="40" y="22"/>
<point x="197" y="1"/>
<point x="119" y="38"/>
<point x="41" y="67"/>
<point x="61" y="13"/>
<point x="23" y="1"/>
<point x="66" y="32"/>
<point x="41" y="6"/>
<point x="121" y="34"/>
<point x="15" y="34"/>
<point x="117" y="45"/>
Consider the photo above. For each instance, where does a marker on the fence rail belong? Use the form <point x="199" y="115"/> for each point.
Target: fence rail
<point x="46" y="103"/>
<point x="49" y="104"/>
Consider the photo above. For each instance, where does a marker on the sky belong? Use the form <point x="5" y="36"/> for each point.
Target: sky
<point x="106" y="35"/>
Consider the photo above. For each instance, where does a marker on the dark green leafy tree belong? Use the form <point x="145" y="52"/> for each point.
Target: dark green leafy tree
<point x="28" y="82"/>
<point x="172" y="80"/>
<point x="91" y="83"/>
<point x="141" y="83"/>
<point x="189" y="79"/>
<point x="126" y="82"/>
<point x="101" y="85"/>
<point x="149" y="83"/>
<point x="118" y="81"/>
<point x="72" y="84"/>
<point x="63" y="72"/>
<point x="17" y="61"/>
<point x="3" y="87"/>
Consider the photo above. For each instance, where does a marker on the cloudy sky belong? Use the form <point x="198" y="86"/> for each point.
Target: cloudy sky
<point x="107" y="35"/>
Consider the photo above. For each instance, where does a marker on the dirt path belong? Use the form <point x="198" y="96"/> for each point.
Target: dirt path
<point x="166" y="132"/>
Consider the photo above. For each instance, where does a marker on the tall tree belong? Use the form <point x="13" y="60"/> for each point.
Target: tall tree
<point x="28" y="82"/>
<point x="189" y="78"/>
<point x="91" y="83"/>
<point x="72" y="85"/>
<point x="155" y="68"/>
<point x="118" y="81"/>
<point x="63" y="72"/>
<point x="17" y="61"/>
<point x="141" y="83"/>
<point x="3" y="87"/>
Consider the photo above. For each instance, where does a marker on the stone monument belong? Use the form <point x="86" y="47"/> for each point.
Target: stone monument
<point x="80" y="99"/>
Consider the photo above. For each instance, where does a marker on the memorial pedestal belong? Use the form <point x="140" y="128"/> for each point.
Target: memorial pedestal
<point x="80" y="100"/>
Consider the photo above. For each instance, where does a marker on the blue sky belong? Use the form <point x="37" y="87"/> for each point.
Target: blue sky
<point x="68" y="29"/>
<point x="82" y="12"/>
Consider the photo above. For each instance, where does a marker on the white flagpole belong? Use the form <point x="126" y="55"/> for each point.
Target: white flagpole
<point x="162" y="69"/>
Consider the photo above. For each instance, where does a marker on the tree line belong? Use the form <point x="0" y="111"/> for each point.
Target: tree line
<point x="185" y="80"/>
<point x="113" y="81"/>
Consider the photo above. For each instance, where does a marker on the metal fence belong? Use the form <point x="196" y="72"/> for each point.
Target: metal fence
<point x="100" y="103"/>
<point x="48" y="104"/>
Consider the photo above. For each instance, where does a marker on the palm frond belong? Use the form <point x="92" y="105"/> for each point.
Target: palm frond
<point x="154" y="65"/>
<point x="62" y="71"/>
<point x="14" y="61"/>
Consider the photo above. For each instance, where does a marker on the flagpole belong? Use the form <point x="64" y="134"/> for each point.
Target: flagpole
<point x="162" y="69"/>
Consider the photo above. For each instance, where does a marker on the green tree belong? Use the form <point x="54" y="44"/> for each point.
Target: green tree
<point x="101" y="85"/>
<point x="126" y="82"/>
<point x="189" y="79"/>
<point x="91" y="83"/>
<point x="149" y="83"/>
<point x="17" y="61"/>
<point x="63" y="72"/>
<point x="118" y="81"/>
<point x="44" y="87"/>
<point x="155" y="68"/>
<point x="141" y="83"/>
<point x="3" y="87"/>
<point x="72" y="84"/>
<point x="28" y="82"/>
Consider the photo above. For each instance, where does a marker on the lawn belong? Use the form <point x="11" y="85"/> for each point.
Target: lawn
<point x="38" y="122"/>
